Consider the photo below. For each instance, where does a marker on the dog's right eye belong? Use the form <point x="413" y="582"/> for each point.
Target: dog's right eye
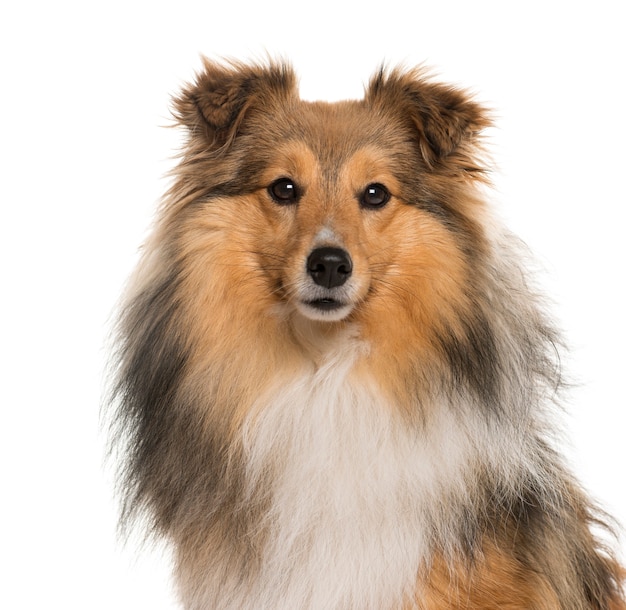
<point x="284" y="191"/>
<point x="375" y="196"/>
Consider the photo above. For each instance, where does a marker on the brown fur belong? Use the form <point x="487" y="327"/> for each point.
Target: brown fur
<point x="512" y="572"/>
<point x="441" y="327"/>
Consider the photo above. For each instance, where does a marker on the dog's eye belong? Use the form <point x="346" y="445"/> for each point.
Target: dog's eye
<point x="375" y="196"/>
<point x="284" y="191"/>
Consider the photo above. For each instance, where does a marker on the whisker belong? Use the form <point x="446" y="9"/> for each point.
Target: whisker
<point x="396" y="289"/>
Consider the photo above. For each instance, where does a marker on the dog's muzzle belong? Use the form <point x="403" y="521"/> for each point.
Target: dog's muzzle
<point x="329" y="268"/>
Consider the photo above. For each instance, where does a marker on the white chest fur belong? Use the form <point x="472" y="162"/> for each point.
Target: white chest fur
<point x="357" y="494"/>
<point x="354" y="497"/>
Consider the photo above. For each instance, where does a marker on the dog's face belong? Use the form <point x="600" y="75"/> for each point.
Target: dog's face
<point x="357" y="210"/>
<point x="334" y="204"/>
<point x="343" y="236"/>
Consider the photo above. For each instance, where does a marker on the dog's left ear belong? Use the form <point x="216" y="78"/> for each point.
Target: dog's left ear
<point x="214" y="106"/>
<point x="446" y="119"/>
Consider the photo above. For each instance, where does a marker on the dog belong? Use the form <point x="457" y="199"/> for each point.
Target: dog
<point x="334" y="380"/>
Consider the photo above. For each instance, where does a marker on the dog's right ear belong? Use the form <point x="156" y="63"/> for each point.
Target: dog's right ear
<point x="214" y="106"/>
<point x="445" y="120"/>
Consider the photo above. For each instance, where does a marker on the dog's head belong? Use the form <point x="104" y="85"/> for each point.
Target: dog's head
<point x="331" y="210"/>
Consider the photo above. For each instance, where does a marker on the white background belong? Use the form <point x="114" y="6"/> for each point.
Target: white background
<point x="85" y="90"/>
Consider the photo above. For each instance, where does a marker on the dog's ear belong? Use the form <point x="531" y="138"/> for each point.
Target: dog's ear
<point x="446" y="119"/>
<point x="215" y="104"/>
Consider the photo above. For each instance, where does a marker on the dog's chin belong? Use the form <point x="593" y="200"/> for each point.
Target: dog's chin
<point x="324" y="310"/>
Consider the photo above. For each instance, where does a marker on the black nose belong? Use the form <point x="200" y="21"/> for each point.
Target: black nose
<point x="329" y="267"/>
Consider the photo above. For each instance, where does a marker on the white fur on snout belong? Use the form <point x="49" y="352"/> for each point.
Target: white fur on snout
<point x="326" y="237"/>
<point x="307" y="291"/>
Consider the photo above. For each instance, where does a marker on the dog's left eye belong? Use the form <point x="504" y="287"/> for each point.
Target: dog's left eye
<point x="284" y="191"/>
<point x="375" y="196"/>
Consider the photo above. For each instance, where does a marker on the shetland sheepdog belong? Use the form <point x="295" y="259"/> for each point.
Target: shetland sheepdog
<point x="334" y="381"/>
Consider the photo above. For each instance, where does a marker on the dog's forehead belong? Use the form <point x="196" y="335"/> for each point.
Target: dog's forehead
<point x="349" y="122"/>
<point x="335" y="132"/>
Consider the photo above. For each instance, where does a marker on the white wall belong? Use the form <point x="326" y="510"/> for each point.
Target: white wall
<point x="85" y="87"/>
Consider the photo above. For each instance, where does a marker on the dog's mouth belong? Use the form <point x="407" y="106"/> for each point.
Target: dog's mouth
<point x="324" y="309"/>
<point x="326" y="304"/>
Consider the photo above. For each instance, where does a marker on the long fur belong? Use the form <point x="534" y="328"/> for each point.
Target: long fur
<point x="390" y="451"/>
